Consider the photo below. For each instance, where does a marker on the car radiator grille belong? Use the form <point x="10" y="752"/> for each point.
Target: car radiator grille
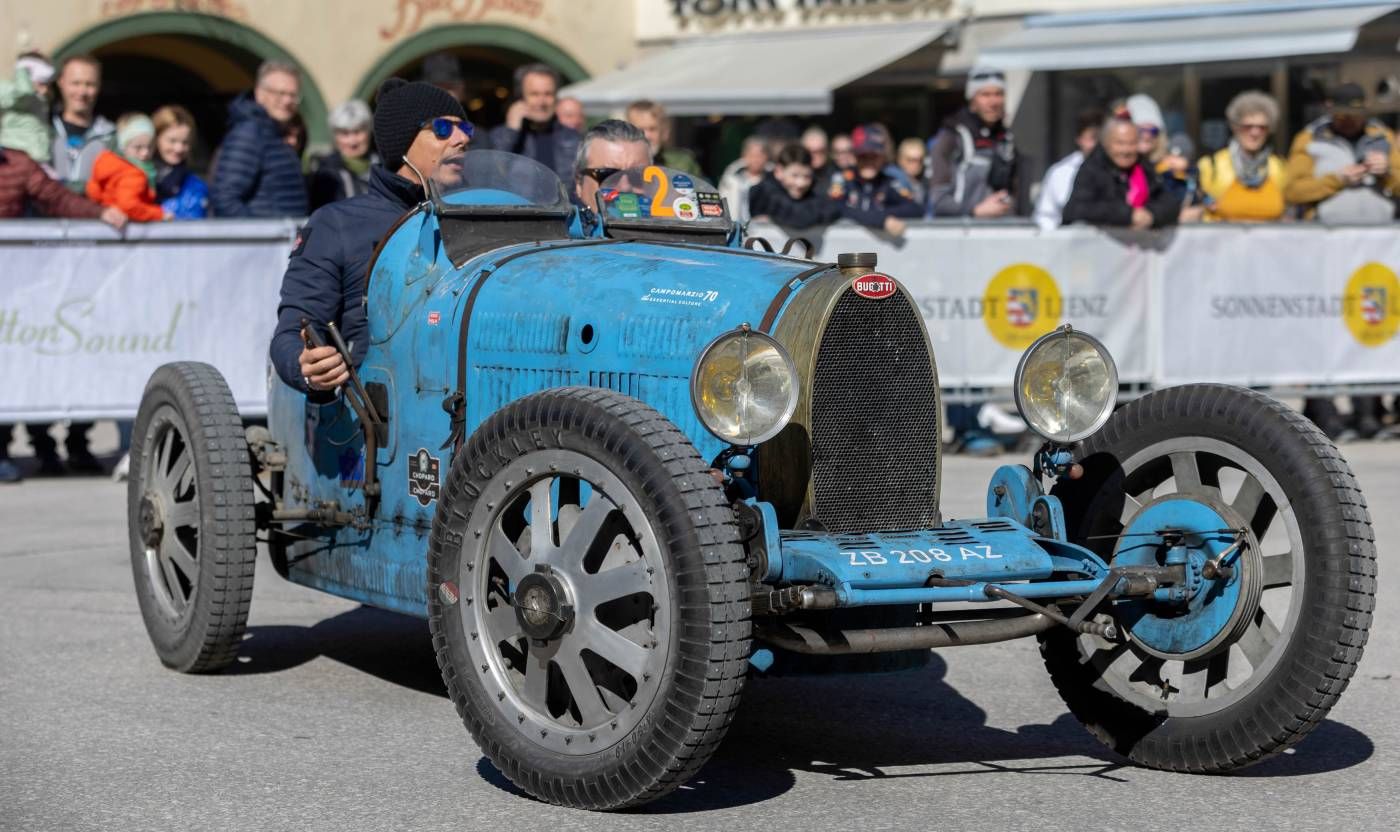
<point x="875" y="433"/>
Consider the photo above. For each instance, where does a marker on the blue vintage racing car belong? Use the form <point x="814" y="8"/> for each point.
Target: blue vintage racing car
<point x="621" y="461"/>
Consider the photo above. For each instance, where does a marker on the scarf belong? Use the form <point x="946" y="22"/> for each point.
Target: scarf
<point x="358" y="166"/>
<point x="146" y="167"/>
<point x="1250" y="170"/>
<point x="1137" y="187"/>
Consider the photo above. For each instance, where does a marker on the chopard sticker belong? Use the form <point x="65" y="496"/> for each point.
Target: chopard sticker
<point x="875" y="286"/>
<point x="424" y="480"/>
<point x="685" y="209"/>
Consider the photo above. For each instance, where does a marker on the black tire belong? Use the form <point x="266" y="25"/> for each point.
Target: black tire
<point x="190" y="518"/>
<point x="699" y="590"/>
<point x="1295" y="679"/>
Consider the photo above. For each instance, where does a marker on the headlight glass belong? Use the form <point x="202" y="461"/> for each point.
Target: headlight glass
<point x="1066" y="385"/>
<point x="744" y="387"/>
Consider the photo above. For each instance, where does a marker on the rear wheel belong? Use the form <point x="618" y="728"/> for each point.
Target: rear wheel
<point x="190" y="518"/>
<point x="1257" y="658"/>
<point x="588" y="599"/>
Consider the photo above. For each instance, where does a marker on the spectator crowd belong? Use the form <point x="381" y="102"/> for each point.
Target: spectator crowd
<point x="60" y="158"/>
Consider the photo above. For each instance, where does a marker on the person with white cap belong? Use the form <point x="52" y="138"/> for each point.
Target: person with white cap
<point x="972" y="159"/>
<point x="1152" y="128"/>
<point x="345" y="172"/>
<point x="24" y="107"/>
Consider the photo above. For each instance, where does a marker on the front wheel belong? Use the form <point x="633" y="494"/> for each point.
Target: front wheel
<point x="588" y="599"/>
<point x="1265" y="646"/>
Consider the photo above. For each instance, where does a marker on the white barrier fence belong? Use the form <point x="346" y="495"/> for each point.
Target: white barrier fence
<point x="86" y="315"/>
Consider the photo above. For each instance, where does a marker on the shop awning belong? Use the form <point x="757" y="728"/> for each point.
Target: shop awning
<point x="759" y="74"/>
<point x="1194" y="34"/>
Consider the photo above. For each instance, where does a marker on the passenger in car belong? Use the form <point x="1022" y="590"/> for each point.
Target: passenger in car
<point x="422" y="133"/>
<point x="608" y="147"/>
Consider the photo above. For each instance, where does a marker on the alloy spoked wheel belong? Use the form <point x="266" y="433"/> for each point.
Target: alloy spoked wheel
<point x="169" y="515"/>
<point x="574" y="616"/>
<point x="190" y="521"/>
<point x="1265" y="515"/>
<point x="588" y="598"/>
<point x="1235" y="631"/>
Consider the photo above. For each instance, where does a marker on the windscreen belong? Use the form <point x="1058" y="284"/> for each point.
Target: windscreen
<point x="479" y="179"/>
<point x="654" y="195"/>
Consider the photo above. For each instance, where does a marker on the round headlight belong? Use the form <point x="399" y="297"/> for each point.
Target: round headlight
<point x="744" y="387"/>
<point x="1066" y="385"/>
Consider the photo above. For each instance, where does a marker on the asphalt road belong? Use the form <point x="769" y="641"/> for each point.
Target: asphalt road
<point x="335" y="718"/>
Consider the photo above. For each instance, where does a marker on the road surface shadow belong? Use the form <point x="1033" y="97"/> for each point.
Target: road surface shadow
<point x="846" y="727"/>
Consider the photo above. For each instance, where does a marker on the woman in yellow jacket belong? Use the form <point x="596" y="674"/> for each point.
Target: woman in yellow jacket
<point x="1244" y="182"/>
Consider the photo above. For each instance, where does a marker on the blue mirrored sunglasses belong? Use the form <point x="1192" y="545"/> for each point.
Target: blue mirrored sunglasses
<point x="442" y="127"/>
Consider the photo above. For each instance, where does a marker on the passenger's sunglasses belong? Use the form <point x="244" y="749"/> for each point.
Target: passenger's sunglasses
<point x="442" y="127"/>
<point x="1150" y="131"/>
<point x="600" y="175"/>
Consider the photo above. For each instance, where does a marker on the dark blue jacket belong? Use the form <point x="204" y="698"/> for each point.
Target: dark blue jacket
<point x="325" y="279"/>
<point x="549" y="143"/>
<point x="256" y="174"/>
<point x="869" y="201"/>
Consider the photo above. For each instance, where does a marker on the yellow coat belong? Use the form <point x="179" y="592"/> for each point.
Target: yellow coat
<point x="1232" y="201"/>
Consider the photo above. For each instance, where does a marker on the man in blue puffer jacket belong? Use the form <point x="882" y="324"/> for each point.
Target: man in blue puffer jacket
<point x="257" y="174"/>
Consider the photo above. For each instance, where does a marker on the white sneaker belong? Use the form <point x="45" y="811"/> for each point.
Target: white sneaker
<point x="123" y="468"/>
<point x="996" y="420"/>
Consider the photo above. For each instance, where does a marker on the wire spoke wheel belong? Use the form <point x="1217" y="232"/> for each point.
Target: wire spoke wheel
<point x="588" y="599"/>
<point x="1257" y="658"/>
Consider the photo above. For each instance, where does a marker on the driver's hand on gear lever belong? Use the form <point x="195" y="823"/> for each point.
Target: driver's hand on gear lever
<point x="322" y="367"/>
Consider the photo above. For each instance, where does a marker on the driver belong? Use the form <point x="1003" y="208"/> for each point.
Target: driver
<point x="608" y="147"/>
<point x="421" y="132"/>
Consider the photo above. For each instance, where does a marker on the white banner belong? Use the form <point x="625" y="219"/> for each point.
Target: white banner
<point x="84" y="322"/>
<point x="85" y="316"/>
<point x="988" y="291"/>
<point x="1280" y="306"/>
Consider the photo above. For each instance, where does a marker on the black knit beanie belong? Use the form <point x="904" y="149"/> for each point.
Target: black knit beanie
<point x="400" y="111"/>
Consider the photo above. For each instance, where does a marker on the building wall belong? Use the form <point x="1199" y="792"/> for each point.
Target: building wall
<point x="340" y="43"/>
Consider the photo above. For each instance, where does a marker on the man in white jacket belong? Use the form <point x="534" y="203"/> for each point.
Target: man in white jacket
<point x="1055" y="188"/>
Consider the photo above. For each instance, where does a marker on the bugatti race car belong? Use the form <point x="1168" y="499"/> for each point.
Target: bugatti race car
<point x="622" y="461"/>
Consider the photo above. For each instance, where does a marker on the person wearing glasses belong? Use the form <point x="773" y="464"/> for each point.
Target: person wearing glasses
<point x="256" y="173"/>
<point x="607" y="147"/>
<point x="1245" y="181"/>
<point x="973" y="160"/>
<point x="1152" y="128"/>
<point x="422" y="133"/>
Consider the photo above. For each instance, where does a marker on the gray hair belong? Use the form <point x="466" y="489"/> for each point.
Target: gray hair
<point x="352" y="115"/>
<point x="1251" y="102"/>
<point x="612" y="130"/>
<point x="272" y="65"/>
<point x="1113" y="122"/>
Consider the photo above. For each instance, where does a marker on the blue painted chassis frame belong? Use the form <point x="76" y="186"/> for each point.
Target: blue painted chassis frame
<point x="521" y="342"/>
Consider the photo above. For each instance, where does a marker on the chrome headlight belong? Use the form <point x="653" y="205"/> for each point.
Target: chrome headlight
<point x="744" y="387"/>
<point x="1066" y="385"/>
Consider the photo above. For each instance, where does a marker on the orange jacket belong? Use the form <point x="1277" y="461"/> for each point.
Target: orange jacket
<point x="117" y="182"/>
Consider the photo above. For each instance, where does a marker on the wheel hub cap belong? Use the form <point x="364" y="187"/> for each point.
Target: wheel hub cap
<point x="540" y="606"/>
<point x="152" y="525"/>
<point x="1193" y="533"/>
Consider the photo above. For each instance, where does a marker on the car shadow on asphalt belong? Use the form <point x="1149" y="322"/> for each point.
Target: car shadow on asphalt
<point x="846" y="727"/>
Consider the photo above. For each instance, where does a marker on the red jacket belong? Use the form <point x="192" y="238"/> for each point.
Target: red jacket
<point x="23" y="181"/>
<point x="115" y="181"/>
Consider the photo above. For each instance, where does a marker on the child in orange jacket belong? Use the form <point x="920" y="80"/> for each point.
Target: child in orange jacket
<point x="127" y="181"/>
